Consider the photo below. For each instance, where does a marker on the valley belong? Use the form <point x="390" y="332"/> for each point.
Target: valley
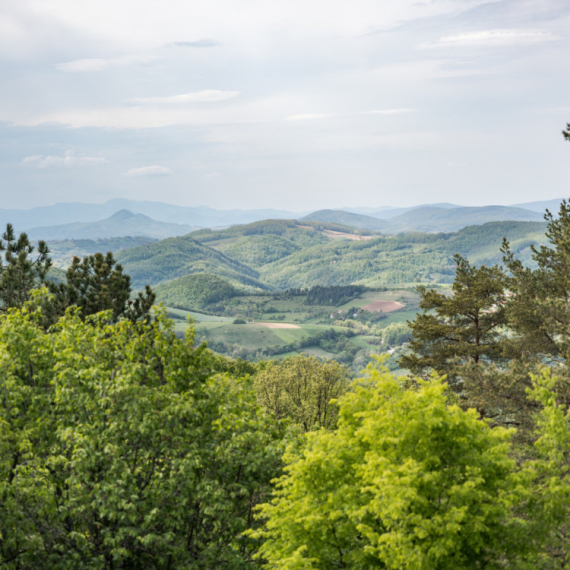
<point x="278" y="287"/>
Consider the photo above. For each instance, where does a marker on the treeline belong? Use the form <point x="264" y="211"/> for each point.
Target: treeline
<point x="331" y="340"/>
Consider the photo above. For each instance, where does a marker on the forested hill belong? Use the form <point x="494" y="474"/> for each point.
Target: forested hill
<point x="281" y="254"/>
<point x="175" y="257"/>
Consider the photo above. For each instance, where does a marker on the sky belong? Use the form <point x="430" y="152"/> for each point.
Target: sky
<point x="285" y="104"/>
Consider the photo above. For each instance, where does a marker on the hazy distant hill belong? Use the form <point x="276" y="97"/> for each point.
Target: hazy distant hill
<point x="201" y="216"/>
<point x="429" y="218"/>
<point x="347" y="218"/>
<point x="123" y="223"/>
<point x="433" y="219"/>
<point x="541" y="206"/>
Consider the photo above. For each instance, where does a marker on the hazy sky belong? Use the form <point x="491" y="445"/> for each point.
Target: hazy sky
<point x="284" y="103"/>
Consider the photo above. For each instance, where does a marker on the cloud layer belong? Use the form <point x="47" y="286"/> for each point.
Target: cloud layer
<point x="297" y="104"/>
<point x="150" y="171"/>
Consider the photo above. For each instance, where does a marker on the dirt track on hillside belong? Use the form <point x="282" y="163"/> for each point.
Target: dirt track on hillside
<point x="384" y="306"/>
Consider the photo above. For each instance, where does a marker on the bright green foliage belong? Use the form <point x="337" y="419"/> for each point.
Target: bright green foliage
<point x="463" y="327"/>
<point x="118" y="449"/>
<point x="301" y="388"/>
<point x="551" y="492"/>
<point x="406" y="482"/>
<point x="97" y="283"/>
<point x="19" y="272"/>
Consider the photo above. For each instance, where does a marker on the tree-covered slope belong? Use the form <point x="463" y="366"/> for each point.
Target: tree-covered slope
<point x="176" y="257"/>
<point x="63" y="252"/>
<point x="400" y="259"/>
<point x="264" y="242"/>
<point x="195" y="291"/>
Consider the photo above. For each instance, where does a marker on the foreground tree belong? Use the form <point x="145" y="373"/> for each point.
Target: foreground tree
<point x="97" y="283"/>
<point x="465" y="326"/>
<point x="539" y="310"/>
<point x="301" y="389"/>
<point x="20" y="271"/>
<point x="407" y="481"/>
<point x="118" y="449"/>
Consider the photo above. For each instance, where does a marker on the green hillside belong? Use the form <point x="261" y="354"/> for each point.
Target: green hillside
<point x="284" y="254"/>
<point x="62" y="252"/>
<point x="262" y="243"/>
<point x="196" y="291"/>
<point x="399" y="259"/>
<point x="176" y="257"/>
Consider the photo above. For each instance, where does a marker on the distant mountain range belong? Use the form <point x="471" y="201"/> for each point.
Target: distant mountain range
<point x="205" y="217"/>
<point x="428" y="218"/>
<point x="201" y="216"/>
<point x="122" y="223"/>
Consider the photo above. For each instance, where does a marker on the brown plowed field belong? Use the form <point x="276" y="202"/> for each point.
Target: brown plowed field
<point x="279" y="325"/>
<point x="384" y="306"/>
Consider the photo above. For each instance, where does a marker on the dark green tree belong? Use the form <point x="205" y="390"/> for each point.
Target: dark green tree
<point x="20" y="270"/>
<point x="464" y="326"/>
<point x="539" y="308"/>
<point x="566" y="132"/>
<point x="120" y="449"/>
<point x="97" y="283"/>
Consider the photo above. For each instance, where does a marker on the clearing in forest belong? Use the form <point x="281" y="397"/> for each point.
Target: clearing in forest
<point x="384" y="306"/>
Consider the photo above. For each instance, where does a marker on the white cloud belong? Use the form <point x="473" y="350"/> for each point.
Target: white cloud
<point x="308" y="117"/>
<point x="98" y="64"/>
<point x="153" y="170"/>
<point x="494" y="38"/>
<point x="213" y="175"/>
<point x="68" y="159"/>
<point x="205" y="96"/>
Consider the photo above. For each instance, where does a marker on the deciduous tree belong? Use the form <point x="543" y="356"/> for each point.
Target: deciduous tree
<point x="119" y="449"/>
<point x="301" y="388"/>
<point x="406" y="482"/>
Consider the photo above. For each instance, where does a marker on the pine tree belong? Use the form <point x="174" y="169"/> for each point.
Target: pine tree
<point x="466" y="326"/>
<point x="97" y="283"/>
<point x="20" y="272"/>
<point x="539" y="309"/>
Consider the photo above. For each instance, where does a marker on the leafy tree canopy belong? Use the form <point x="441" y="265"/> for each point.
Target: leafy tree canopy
<point x="301" y="388"/>
<point x="407" y="481"/>
<point x="119" y="449"/>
